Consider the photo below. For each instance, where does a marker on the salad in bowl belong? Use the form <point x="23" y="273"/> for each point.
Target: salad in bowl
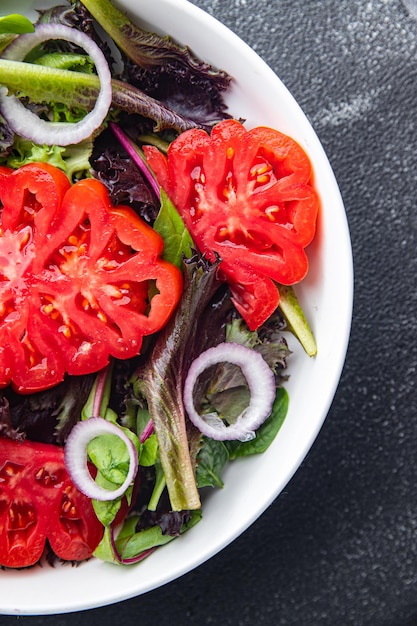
<point x="172" y="249"/>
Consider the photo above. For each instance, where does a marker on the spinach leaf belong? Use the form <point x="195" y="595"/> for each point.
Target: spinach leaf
<point x="111" y="457"/>
<point x="170" y="226"/>
<point x="214" y="455"/>
<point x="15" y="24"/>
<point x="149" y="452"/>
<point x="131" y="544"/>
<point x="265" y="433"/>
<point x="211" y="460"/>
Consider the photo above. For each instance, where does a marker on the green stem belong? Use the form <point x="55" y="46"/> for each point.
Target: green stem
<point x="160" y="484"/>
<point x="296" y="319"/>
<point x="168" y="416"/>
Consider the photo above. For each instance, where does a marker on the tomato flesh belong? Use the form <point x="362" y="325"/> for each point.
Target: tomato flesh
<point x="247" y="196"/>
<point x="75" y="278"/>
<point x="39" y="503"/>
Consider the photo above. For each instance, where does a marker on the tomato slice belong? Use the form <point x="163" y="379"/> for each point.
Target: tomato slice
<point x="38" y="502"/>
<point x="246" y="195"/>
<point x="76" y="275"/>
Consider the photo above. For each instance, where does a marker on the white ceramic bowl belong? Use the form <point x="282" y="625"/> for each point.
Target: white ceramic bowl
<point x="326" y="295"/>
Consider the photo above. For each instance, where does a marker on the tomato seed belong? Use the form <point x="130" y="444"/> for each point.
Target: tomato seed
<point x="102" y="317"/>
<point x="65" y="330"/>
<point x="47" y="309"/>
<point x="264" y="178"/>
<point x="9" y="470"/>
<point x="21" y="515"/>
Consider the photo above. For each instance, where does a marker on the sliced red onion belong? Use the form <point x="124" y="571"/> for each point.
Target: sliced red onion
<point x="127" y="144"/>
<point x="131" y="560"/>
<point x="76" y="457"/>
<point x="147" y="431"/>
<point x="101" y="381"/>
<point x="26" y="123"/>
<point x="261" y="382"/>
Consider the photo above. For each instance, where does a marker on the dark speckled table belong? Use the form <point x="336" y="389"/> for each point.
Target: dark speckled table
<point x="339" y="546"/>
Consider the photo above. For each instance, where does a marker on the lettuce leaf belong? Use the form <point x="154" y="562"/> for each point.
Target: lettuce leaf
<point x="73" y="160"/>
<point x="124" y="181"/>
<point x="160" y="380"/>
<point x="215" y="455"/>
<point x="164" y="69"/>
<point x="170" y="226"/>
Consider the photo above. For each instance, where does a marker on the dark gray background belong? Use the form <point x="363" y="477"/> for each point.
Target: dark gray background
<point x="339" y="546"/>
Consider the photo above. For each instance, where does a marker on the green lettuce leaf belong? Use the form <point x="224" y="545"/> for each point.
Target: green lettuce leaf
<point x="15" y="24"/>
<point x="73" y="160"/>
<point x="177" y="239"/>
<point x="215" y="455"/>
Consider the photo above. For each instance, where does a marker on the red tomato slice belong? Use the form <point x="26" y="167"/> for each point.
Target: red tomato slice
<point x="38" y="502"/>
<point x="246" y="195"/>
<point x="75" y="278"/>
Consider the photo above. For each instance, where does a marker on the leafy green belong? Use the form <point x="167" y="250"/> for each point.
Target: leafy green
<point x="48" y="416"/>
<point x="160" y="484"/>
<point x="164" y="69"/>
<point x="108" y="452"/>
<point x="132" y="100"/>
<point x="15" y="24"/>
<point x="41" y="83"/>
<point x="77" y="89"/>
<point x="296" y="319"/>
<point x="226" y="392"/>
<point x="266" y="433"/>
<point x="161" y="381"/>
<point x="144" y="48"/>
<point x="123" y="179"/>
<point x="104" y="550"/>
<point x="214" y="455"/>
<point x="25" y="151"/>
<point x="73" y="160"/>
<point x="144" y="540"/>
<point x="111" y="457"/>
<point x="149" y="454"/>
<point x="212" y="458"/>
<point x="268" y="340"/>
<point x="106" y="510"/>
<point x="6" y="136"/>
<point x="12" y="25"/>
<point x="67" y="61"/>
<point x="130" y="543"/>
<point x="177" y="239"/>
<point x="99" y="395"/>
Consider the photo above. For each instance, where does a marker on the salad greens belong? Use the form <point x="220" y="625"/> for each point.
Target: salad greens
<point x="15" y="24"/>
<point x="159" y="65"/>
<point x="12" y="25"/>
<point x="160" y="90"/>
<point x="79" y="91"/>
<point x="161" y="381"/>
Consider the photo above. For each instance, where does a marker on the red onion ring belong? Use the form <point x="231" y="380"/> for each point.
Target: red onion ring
<point x="261" y="382"/>
<point x="76" y="457"/>
<point x="26" y="123"/>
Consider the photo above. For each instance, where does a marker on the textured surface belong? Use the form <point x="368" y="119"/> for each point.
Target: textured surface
<point x="339" y="546"/>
